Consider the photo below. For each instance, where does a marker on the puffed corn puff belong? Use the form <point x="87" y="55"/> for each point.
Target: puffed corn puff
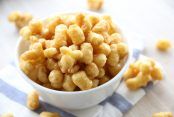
<point x="163" y="44"/>
<point x="33" y="100"/>
<point x="81" y="80"/>
<point x="163" y="114"/>
<point x="95" y="4"/>
<point x="20" y="19"/>
<point x="141" y="72"/>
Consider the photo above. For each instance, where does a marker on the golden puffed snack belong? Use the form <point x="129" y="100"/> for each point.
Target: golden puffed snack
<point x="73" y="52"/>
<point x="163" y="44"/>
<point x="81" y="80"/>
<point x="95" y="4"/>
<point x="49" y="114"/>
<point x="7" y="115"/>
<point x="20" y="19"/>
<point x="141" y="72"/>
<point x="68" y="83"/>
<point x="163" y="114"/>
<point x="33" y="100"/>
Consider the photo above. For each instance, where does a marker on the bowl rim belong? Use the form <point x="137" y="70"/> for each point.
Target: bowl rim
<point x="117" y="77"/>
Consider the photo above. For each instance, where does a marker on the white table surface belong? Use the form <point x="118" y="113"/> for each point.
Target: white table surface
<point x="151" y="19"/>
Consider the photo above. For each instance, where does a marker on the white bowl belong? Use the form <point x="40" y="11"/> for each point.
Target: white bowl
<point x="73" y="100"/>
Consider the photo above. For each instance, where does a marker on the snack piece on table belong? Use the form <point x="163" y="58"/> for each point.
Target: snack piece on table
<point x="141" y="72"/>
<point x="81" y="80"/>
<point x="95" y="4"/>
<point x="20" y="19"/>
<point x="33" y="100"/>
<point x="68" y="84"/>
<point x="163" y="44"/>
<point x="49" y="114"/>
<point x="163" y="114"/>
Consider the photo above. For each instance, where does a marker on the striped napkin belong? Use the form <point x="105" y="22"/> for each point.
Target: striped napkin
<point x="13" y="93"/>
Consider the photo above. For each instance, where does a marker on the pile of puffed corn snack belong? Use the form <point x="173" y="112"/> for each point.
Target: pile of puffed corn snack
<point x="73" y="52"/>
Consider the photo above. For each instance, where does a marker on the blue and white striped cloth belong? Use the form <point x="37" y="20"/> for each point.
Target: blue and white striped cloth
<point x="13" y="93"/>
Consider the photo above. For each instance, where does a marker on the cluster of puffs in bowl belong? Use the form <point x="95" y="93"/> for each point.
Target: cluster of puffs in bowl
<point x="73" y="52"/>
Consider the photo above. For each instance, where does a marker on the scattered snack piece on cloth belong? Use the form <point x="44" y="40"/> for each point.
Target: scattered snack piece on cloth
<point x="20" y="19"/>
<point x="95" y="4"/>
<point x="163" y="114"/>
<point x="9" y="114"/>
<point x="163" y="44"/>
<point x="66" y="47"/>
<point x="33" y="100"/>
<point x="49" y="114"/>
<point x="141" y="72"/>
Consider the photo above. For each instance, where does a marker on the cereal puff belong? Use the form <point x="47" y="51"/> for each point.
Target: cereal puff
<point x="26" y="66"/>
<point x="93" y="19"/>
<point x="76" y="54"/>
<point x="157" y="73"/>
<point x="163" y="44"/>
<point x="92" y="70"/>
<point x="101" y="26"/>
<point x="20" y="19"/>
<point x="68" y="84"/>
<point x="66" y="62"/>
<point x="103" y="48"/>
<point x="163" y="114"/>
<point x="141" y="72"/>
<point x="101" y="72"/>
<point x="79" y="18"/>
<point x="115" y="38"/>
<point x="56" y="79"/>
<point x="112" y="26"/>
<point x="35" y="26"/>
<point x="104" y="79"/>
<point x="33" y="100"/>
<point x="100" y="60"/>
<point x="81" y="80"/>
<point x="95" y="4"/>
<point x="113" y="57"/>
<point x="95" y="83"/>
<point x="87" y="50"/>
<point x="114" y="70"/>
<point x="53" y="23"/>
<point x="49" y="114"/>
<point x="50" y="52"/>
<point x="122" y="49"/>
<point x="25" y="32"/>
<point x="51" y="64"/>
<point x="86" y="25"/>
<point x="138" y="81"/>
<point x="42" y="74"/>
<point x="60" y="37"/>
<point x="69" y="58"/>
<point x="76" y="34"/>
<point x="94" y="38"/>
<point x="131" y="72"/>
